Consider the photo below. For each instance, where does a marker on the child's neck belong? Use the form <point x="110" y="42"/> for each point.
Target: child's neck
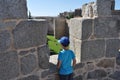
<point x="65" y="48"/>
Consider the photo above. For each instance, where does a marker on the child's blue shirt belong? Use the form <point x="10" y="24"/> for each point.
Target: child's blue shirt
<point x="66" y="57"/>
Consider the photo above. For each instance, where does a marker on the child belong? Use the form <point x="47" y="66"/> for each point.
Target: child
<point x="65" y="58"/>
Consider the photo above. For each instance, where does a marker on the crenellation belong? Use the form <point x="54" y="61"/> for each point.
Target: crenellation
<point x="98" y="31"/>
<point x="94" y="37"/>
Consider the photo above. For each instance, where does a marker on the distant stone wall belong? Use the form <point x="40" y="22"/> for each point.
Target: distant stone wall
<point x="58" y="26"/>
<point x="61" y="28"/>
<point x="78" y="13"/>
<point x="101" y="8"/>
<point x="89" y="10"/>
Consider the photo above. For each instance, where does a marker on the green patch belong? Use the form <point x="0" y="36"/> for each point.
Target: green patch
<point x="53" y="44"/>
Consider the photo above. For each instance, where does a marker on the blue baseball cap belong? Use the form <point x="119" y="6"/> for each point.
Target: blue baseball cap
<point x="64" y="41"/>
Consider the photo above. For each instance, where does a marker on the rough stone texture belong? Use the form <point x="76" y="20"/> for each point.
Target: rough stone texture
<point x="78" y="78"/>
<point x="107" y="79"/>
<point x="22" y="53"/>
<point x="97" y="74"/>
<point x="106" y="63"/>
<point x="112" y="47"/>
<point x="118" y="59"/>
<point x="115" y="75"/>
<point x="43" y="57"/>
<point x="60" y="26"/>
<point x="13" y="9"/>
<point x="75" y="27"/>
<point x="32" y="77"/>
<point x="105" y="28"/>
<point x="86" y="28"/>
<point x="92" y="50"/>
<point x="104" y="7"/>
<point x="78" y="66"/>
<point x="72" y="43"/>
<point x="44" y="74"/>
<point x="89" y="66"/>
<point x="5" y="41"/>
<point x="81" y="28"/>
<point x="7" y="24"/>
<point x="9" y="67"/>
<point x="78" y="13"/>
<point x="51" y="22"/>
<point x="28" y="64"/>
<point x="89" y="10"/>
<point x="77" y="49"/>
<point x="30" y="33"/>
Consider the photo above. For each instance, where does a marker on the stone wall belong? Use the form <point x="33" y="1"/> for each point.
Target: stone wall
<point x="57" y="26"/>
<point x="24" y="54"/>
<point x="23" y="49"/>
<point x="101" y="8"/>
<point x="61" y="28"/>
<point x="51" y="22"/>
<point x="96" y="41"/>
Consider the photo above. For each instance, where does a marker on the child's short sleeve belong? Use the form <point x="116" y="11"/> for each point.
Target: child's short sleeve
<point x="60" y="56"/>
<point x="73" y="55"/>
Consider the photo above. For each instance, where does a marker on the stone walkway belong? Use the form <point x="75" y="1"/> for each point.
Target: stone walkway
<point x="53" y="59"/>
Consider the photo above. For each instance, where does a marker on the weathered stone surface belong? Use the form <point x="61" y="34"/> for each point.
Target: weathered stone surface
<point x="112" y="46"/>
<point x="28" y="64"/>
<point x="53" y="77"/>
<point x="91" y="50"/>
<point x="72" y="43"/>
<point x="106" y="63"/>
<point x="104" y="7"/>
<point x="5" y="41"/>
<point x="78" y="13"/>
<point x="81" y="28"/>
<point x="80" y="77"/>
<point x="45" y="73"/>
<point x="75" y="27"/>
<point x="89" y="66"/>
<point x="32" y="77"/>
<point x="60" y="24"/>
<point x="22" y="53"/>
<point x="12" y="9"/>
<point x="9" y="66"/>
<point x="107" y="79"/>
<point x="97" y="74"/>
<point x="86" y="28"/>
<point x="118" y="59"/>
<point x="78" y="66"/>
<point x="43" y="57"/>
<point x="89" y="10"/>
<point x="30" y="33"/>
<point x="7" y="24"/>
<point x="105" y="28"/>
<point x="77" y="47"/>
<point x="52" y="70"/>
<point x="115" y="75"/>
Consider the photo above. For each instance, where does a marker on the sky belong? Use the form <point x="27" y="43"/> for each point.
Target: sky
<point x="54" y="7"/>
